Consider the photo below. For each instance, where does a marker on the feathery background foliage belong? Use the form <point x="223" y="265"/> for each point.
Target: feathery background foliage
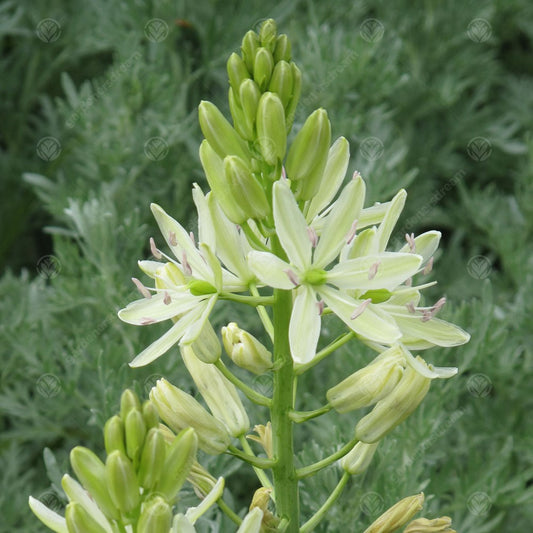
<point x="434" y="97"/>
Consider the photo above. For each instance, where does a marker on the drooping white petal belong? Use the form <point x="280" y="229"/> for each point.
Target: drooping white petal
<point x="181" y="524"/>
<point x="50" y="519"/>
<point x="304" y="328"/>
<point x="426" y="244"/>
<point x="369" y="324"/>
<point x="392" y="269"/>
<point x="291" y="226"/>
<point x="193" y="513"/>
<point x="270" y="269"/>
<point x="428" y="370"/>
<point x="206" y="225"/>
<point x="390" y="219"/>
<point x="197" y="323"/>
<point x="338" y="222"/>
<point x="252" y="521"/>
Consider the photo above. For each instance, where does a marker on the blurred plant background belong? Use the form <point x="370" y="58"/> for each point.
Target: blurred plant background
<point x="99" y="117"/>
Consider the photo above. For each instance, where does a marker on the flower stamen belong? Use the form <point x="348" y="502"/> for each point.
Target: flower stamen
<point x="373" y="270"/>
<point x="141" y="288"/>
<point x="351" y="234"/>
<point x="187" y="270"/>
<point x="313" y="237"/>
<point x="153" y="248"/>
<point x="411" y="242"/>
<point x="172" y="239"/>
<point x="360" y="309"/>
<point x="429" y="266"/>
<point x="293" y="277"/>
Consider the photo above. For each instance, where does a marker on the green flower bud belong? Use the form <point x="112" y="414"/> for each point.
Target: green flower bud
<point x="245" y="350"/>
<point x="220" y="394"/>
<point x="135" y="430"/>
<point x="249" y="94"/>
<point x="245" y="188"/>
<point x="271" y="130"/>
<point x="91" y="473"/>
<point x="397" y="515"/>
<point x="308" y="154"/>
<point x="114" y="435"/>
<point x="180" y="410"/>
<point x="150" y="416"/>
<point x="290" y="111"/>
<point x="370" y="384"/>
<point x="199" y="287"/>
<point x="207" y="346"/>
<point x="214" y="170"/>
<point x="263" y="67"/>
<point x="281" y="82"/>
<point x="268" y="33"/>
<point x="122" y="482"/>
<point x="249" y="46"/>
<point x="128" y="401"/>
<point x="240" y="120"/>
<point x="358" y="460"/>
<point x="394" y="408"/>
<point x="80" y="521"/>
<point x="437" y="525"/>
<point x="156" y="517"/>
<point x="219" y="132"/>
<point x="180" y="457"/>
<point x="152" y="459"/>
<point x="282" y="50"/>
<point x="237" y="72"/>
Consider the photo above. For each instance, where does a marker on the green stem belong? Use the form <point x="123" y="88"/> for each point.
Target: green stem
<point x="263" y="315"/>
<point x="263" y="478"/>
<point x="321" y="513"/>
<point x="254" y="301"/>
<point x="250" y="393"/>
<point x="229" y="512"/>
<point x="337" y="343"/>
<point x="309" y="470"/>
<point x="303" y="416"/>
<point x="251" y="459"/>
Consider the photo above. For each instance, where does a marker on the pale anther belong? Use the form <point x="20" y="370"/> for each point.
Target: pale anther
<point x="360" y="309"/>
<point x="313" y="237"/>
<point x="411" y="241"/>
<point x="351" y="234"/>
<point x="191" y="235"/>
<point x="356" y="175"/>
<point x="410" y="307"/>
<point x="147" y="321"/>
<point x="373" y="270"/>
<point x="408" y="282"/>
<point x="429" y="266"/>
<point x="172" y="239"/>
<point x="320" y="304"/>
<point x="167" y="299"/>
<point x="186" y="267"/>
<point x="141" y="288"/>
<point x="153" y="248"/>
<point x="293" y="277"/>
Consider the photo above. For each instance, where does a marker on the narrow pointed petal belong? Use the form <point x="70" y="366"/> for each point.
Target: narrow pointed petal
<point x="390" y="219"/>
<point x="369" y="324"/>
<point x="50" y="519"/>
<point x="338" y="222"/>
<point x="392" y="270"/>
<point x="426" y="245"/>
<point x="214" y="264"/>
<point x="193" y="513"/>
<point x="206" y="227"/>
<point x="271" y="270"/>
<point x="304" y="328"/>
<point x="150" y="267"/>
<point x="373" y="215"/>
<point x="291" y="226"/>
<point x="365" y="243"/>
<point x="195" y="327"/>
<point x="428" y="370"/>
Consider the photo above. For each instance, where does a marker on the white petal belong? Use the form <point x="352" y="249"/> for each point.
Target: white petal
<point x="291" y="226"/>
<point x="270" y="269"/>
<point x="374" y="215"/>
<point x="214" y="264"/>
<point x="206" y="227"/>
<point x="338" y="222"/>
<point x="426" y="244"/>
<point x="193" y="513"/>
<point x="181" y="524"/>
<point x="390" y="219"/>
<point x="304" y="328"/>
<point x="252" y="521"/>
<point x="369" y="325"/>
<point x="428" y="371"/>
<point x="50" y="519"/>
<point x="392" y="270"/>
<point x="365" y="243"/>
<point x="150" y="267"/>
<point x="197" y="322"/>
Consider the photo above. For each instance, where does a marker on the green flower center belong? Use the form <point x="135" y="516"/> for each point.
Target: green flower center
<point x="315" y="276"/>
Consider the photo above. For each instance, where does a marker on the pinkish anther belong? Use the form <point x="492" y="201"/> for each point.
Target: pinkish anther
<point x="141" y="288"/>
<point x="356" y="174"/>
<point x="409" y="282"/>
<point x="320" y="304"/>
<point x="428" y="314"/>
<point x="172" y="239"/>
<point x="313" y="237"/>
<point x="293" y="277"/>
<point x="351" y="234"/>
<point x="187" y="270"/>
<point x="411" y="242"/>
<point x="283" y="173"/>
<point x="191" y="235"/>
<point x="410" y="307"/>
<point x="360" y="309"/>
<point x="167" y="299"/>
<point x="429" y="267"/>
<point x="153" y="248"/>
<point x="146" y="321"/>
<point x="373" y="270"/>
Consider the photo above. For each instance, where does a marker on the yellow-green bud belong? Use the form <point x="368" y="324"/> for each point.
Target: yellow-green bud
<point x="207" y="346"/>
<point x="156" y="517"/>
<point x="214" y="170"/>
<point x="281" y="82"/>
<point x="237" y="71"/>
<point x="290" y="111"/>
<point x="180" y="410"/>
<point x="129" y="400"/>
<point x="219" y="132"/>
<point x="91" y="473"/>
<point x="271" y="129"/>
<point x="178" y="463"/>
<point x="370" y="384"/>
<point x="308" y="154"/>
<point x="268" y="33"/>
<point x="240" y="121"/>
<point x="359" y="459"/>
<point x="250" y="44"/>
<point x="437" y="525"/>
<point x="218" y="392"/>
<point x="80" y="521"/>
<point x="245" y="188"/>
<point x="152" y="459"/>
<point x="150" y="416"/>
<point x="394" y="408"/>
<point x="397" y="515"/>
<point x="199" y="287"/>
<point x="122" y="482"/>
<point x="245" y="350"/>
<point x="282" y="50"/>
<point x="114" y="435"/>
<point x="263" y="67"/>
<point x="249" y="94"/>
<point x="135" y="430"/>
